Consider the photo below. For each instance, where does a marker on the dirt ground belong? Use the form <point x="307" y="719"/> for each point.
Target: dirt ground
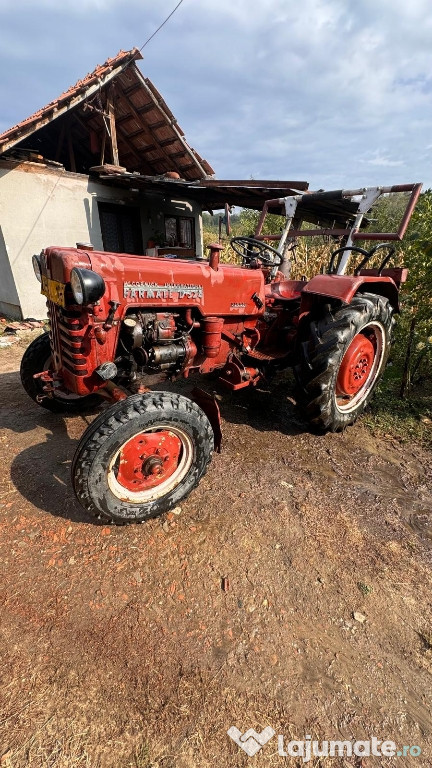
<point x="119" y="646"/>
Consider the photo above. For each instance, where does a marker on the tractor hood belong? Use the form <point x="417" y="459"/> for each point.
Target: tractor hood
<point x="168" y="283"/>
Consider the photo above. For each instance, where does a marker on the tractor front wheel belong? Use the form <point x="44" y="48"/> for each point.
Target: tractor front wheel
<point x="342" y="360"/>
<point x="141" y="457"/>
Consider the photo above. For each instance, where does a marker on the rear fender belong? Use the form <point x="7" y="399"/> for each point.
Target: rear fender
<point x="345" y="287"/>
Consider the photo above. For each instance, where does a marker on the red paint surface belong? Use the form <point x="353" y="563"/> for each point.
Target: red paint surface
<point x="224" y="309"/>
<point x="147" y="460"/>
<point x="356" y="366"/>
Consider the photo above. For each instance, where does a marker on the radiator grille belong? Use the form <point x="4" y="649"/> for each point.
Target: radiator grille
<point x="67" y="339"/>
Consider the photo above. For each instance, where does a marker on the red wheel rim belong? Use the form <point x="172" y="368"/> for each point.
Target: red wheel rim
<point x="356" y="366"/>
<point x="148" y="460"/>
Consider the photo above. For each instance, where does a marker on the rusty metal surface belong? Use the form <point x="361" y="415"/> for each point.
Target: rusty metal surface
<point x="328" y="209"/>
<point x="337" y="211"/>
<point x="415" y="190"/>
<point x="210" y="193"/>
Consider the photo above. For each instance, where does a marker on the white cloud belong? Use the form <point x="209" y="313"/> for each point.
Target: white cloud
<point x="383" y="160"/>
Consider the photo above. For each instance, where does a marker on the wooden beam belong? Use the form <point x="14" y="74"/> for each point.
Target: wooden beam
<point x="139" y="111"/>
<point x="71" y="151"/>
<point x="283" y="185"/>
<point x="171" y="121"/>
<point x="155" y="126"/>
<point x="107" y="168"/>
<point x="87" y="127"/>
<point x="168" y="142"/>
<point x="154" y="139"/>
<point x="60" y="143"/>
<point x="187" y="167"/>
<point x="82" y="149"/>
<point x="103" y="144"/>
<point x="111" y="113"/>
<point x="178" y="155"/>
<point x="132" y="89"/>
<point x="125" y="139"/>
<point x="131" y="134"/>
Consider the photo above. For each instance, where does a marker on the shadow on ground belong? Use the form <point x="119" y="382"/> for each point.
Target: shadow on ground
<point x="41" y="471"/>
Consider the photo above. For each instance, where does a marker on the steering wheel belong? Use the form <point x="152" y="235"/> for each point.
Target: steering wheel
<point x="249" y="249"/>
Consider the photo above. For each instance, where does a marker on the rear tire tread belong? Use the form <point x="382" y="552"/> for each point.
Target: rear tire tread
<point x="320" y="358"/>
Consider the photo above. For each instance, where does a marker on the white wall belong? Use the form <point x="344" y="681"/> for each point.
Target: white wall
<point x="40" y="207"/>
<point x="9" y="301"/>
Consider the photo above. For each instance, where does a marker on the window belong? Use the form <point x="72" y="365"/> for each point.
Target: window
<point x="180" y="231"/>
<point x="121" y="228"/>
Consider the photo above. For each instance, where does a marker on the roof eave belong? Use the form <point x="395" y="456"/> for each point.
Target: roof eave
<point x="163" y="107"/>
<point x="19" y="134"/>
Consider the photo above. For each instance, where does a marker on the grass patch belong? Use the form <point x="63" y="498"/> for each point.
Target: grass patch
<point x="406" y="420"/>
<point x="365" y="589"/>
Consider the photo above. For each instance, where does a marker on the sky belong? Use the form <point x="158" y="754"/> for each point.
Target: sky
<point x="334" y="92"/>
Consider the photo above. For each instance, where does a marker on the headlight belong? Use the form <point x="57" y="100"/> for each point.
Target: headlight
<point x="37" y="267"/>
<point x="87" y="286"/>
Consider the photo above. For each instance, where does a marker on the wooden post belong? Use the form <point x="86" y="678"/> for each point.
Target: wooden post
<point x="102" y="155"/>
<point x="111" y="113"/>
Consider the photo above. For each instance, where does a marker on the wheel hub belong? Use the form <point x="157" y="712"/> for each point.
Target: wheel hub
<point x="152" y="466"/>
<point x="148" y="459"/>
<point x="356" y="366"/>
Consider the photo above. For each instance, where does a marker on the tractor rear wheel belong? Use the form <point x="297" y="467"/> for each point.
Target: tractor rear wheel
<point x="141" y="457"/>
<point x="37" y="358"/>
<point x="343" y="359"/>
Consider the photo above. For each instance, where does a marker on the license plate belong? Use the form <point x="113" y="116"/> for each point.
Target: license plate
<point x="53" y="290"/>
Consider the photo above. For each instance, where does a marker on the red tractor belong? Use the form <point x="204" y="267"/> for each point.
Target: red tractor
<point x="118" y="320"/>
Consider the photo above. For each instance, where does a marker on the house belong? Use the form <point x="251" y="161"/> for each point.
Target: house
<point x="106" y="163"/>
